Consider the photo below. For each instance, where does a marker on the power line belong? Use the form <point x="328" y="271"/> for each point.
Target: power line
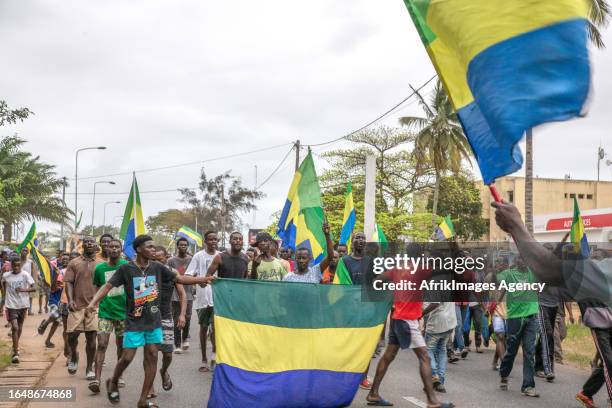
<point x="378" y="118"/>
<point x="173" y="166"/>
<point x="140" y="192"/>
<point x="275" y="170"/>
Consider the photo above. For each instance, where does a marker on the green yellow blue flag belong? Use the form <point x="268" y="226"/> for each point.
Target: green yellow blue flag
<point x="30" y="239"/>
<point x="31" y="242"/>
<point x="342" y="276"/>
<point x="349" y="218"/>
<point x="577" y="235"/>
<point x="445" y="230"/>
<point x="380" y="237"/>
<point x="133" y="221"/>
<point x="301" y="221"/>
<point x="189" y="234"/>
<point x="508" y="66"/>
<point x="285" y="344"/>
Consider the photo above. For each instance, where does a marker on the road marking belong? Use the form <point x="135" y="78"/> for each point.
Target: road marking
<point x="416" y="402"/>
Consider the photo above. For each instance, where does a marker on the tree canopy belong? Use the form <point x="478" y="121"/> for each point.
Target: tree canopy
<point x="28" y="186"/>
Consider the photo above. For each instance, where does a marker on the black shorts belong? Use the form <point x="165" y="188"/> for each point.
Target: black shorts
<point x="406" y="334"/>
<point x="206" y="316"/>
<point x="16" y="314"/>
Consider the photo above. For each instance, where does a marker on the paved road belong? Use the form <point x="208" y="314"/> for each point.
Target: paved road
<point x="470" y="383"/>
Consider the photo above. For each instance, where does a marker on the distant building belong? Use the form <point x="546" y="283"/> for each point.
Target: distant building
<point x="553" y="204"/>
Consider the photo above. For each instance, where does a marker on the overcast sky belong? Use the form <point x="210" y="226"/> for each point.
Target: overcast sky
<point x="163" y="82"/>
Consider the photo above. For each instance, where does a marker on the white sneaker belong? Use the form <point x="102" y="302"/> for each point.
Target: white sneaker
<point x="178" y="350"/>
<point x="90" y="376"/>
<point x="185" y="346"/>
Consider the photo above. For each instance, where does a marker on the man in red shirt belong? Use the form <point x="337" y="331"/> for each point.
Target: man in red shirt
<point x="404" y="332"/>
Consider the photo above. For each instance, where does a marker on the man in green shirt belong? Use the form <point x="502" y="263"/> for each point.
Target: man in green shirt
<point x="522" y="326"/>
<point x="111" y="312"/>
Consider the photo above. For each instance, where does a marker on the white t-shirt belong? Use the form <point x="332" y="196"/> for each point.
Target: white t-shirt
<point x="198" y="267"/>
<point x="313" y="275"/>
<point x="442" y="319"/>
<point x="14" y="299"/>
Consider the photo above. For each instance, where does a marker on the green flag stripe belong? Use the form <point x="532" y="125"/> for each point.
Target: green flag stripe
<point x="316" y="306"/>
<point x="342" y="274"/>
<point x="418" y="11"/>
<point x="127" y="214"/>
<point x="29" y="238"/>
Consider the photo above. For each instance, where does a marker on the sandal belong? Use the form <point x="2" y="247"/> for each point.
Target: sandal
<point x="381" y="402"/>
<point x="166" y="381"/>
<point x="148" y="404"/>
<point x="94" y="386"/>
<point x="113" y="396"/>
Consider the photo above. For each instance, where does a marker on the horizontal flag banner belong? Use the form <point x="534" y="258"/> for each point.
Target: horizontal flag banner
<point x="284" y="344"/>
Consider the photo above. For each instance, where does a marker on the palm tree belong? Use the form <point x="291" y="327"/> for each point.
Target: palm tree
<point x="27" y="188"/>
<point x="599" y="16"/>
<point x="440" y="141"/>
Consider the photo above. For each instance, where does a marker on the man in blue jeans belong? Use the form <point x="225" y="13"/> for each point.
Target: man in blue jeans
<point x="522" y="326"/>
<point x="441" y="320"/>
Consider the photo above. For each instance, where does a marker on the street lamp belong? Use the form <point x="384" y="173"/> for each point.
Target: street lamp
<point x="76" y="180"/>
<point x="93" y="204"/>
<point x="104" y="217"/>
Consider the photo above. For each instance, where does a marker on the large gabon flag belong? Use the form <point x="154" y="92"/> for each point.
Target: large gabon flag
<point x="289" y="345"/>
<point x="508" y="66"/>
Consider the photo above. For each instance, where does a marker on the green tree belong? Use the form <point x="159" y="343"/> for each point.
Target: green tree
<point x="440" y="141"/>
<point x="27" y="187"/>
<point x="166" y="223"/>
<point x="396" y="176"/>
<point x="12" y="116"/>
<point x="219" y="202"/>
<point x="460" y="198"/>
<point x="599" y="16"/>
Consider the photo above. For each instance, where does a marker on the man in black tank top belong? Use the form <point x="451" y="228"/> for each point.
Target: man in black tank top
<point x="231" y="264"/>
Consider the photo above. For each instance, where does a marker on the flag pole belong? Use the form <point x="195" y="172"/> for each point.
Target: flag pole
<point x="495" y="193"/>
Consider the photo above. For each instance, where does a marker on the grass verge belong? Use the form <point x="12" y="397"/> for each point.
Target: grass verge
<point x="5" y="354"/>
<point x="578" y="347"/>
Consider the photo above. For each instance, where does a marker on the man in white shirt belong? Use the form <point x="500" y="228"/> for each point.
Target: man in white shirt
<point x="203" y="303"/>
<point x="27" y="266"/>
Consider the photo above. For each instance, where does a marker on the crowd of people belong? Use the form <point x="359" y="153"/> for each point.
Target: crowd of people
<point x="147" y="303"/>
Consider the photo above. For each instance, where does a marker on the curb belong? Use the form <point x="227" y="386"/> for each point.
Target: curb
<point x="30" y="373"/>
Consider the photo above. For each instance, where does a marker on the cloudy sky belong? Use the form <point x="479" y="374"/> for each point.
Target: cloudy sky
<point x="162" y="83"/>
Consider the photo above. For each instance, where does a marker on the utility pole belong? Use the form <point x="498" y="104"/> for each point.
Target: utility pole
<point x="196" y="230"/>
<point x="297" y="154"/>
<point x="254" y="209"/>
<point x="600" y="156"/>
<point x="529" y="181"/>
<point x="222" y="214"/>
<point x="64" y="203"/>
<point x="369" y="213"/>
